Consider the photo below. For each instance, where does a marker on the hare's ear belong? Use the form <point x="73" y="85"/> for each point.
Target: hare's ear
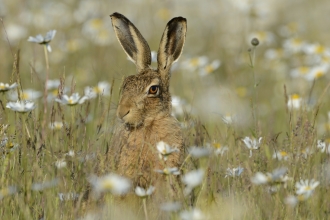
<point x="133" y="43"/>
<point x="172" y="42"/>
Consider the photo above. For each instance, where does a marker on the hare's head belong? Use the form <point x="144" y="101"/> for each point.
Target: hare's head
<point x="145" y="96"/>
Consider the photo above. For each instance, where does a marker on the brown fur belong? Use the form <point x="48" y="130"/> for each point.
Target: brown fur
<point x="145" y="119"/>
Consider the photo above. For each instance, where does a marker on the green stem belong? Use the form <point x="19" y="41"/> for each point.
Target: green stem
<point x="255" y="94"/>
<point x="145" y="208"/>
<point x="45" y="95"/>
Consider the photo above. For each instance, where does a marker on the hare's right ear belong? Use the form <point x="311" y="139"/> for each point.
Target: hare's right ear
<point x="171" y="44"/>
<point x="131" y="40"/>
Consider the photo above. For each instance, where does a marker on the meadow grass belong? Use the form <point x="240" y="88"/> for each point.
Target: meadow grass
<point x="257" y="115"/>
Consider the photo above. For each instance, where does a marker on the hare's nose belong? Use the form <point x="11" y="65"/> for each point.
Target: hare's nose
<point x="122" y="111"/>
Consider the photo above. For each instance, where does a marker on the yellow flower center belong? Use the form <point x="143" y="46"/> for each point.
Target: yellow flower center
<point x="327" y="126"/>
<point x="303" y="69"/>
<point x="296" y="41"/>
<point x="72" y="45"/>
<point x="209" y="69"/>
<point x="10" y="145"/>
<point x="301" y="197"/>
<point x="293" y="27"/>
<point x="107" y="185"/>
<point x="4" y="192"/>
<point x="319" y="73"/>
<point x="2" y="87"/>
<point x="307" y="188"/>
<point x="103" y="34"/>
<point x="96" y="23"/>
<point x="97" y="90"/>
<point x="217" y="145"/>
<point x="295" y="96"/>
<point x="319" y="49"/>
<point x="25" y="96"/>
<point x="194" y="62"/>
<point x="241" y="92"/>
<point x="262" y="35"/>
<point x="164" y="14"/>
<point x="54" y="92"/>
<point x="325" y="59"/>
<point x="283" y="153"/>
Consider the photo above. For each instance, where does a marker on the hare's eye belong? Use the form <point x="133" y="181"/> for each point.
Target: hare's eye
<point x="153" y="90"/>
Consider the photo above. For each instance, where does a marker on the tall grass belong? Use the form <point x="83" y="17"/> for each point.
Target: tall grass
<point x="45" y="172"/>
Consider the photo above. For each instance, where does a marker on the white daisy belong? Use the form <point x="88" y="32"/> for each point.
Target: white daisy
<point x="294" y="45"/>
<point x="228" y="119"/>
<point x="301" y="71"/>
<point x="274" y="54"/>
<point x="316" y="49"/>
<point x="141" y="192"/>
<point x="193" y="214"/>
<point x="70" y="153"/>
<point x="281" y="155"/>
<point x="294" y="101"/>
<point x="307" y="152"/>
<point x="291" y="200"/>
<point x="68" y="196"/>
<point x="61" y="163"/>
<point x="21" y="106"/>
<point x="324" y="146"/>
<point x="169" y="171"/>
<point x="165" y="150"/>
<point x="102" y="88"/>
<point x="170" y="206"/>
<point x="4" y="87"/>
<point x="234" y="172"/>
<point x="97" y="31"/>
<point x="306" y="187"/>
<point x="39" y="39"/>
<point x="209" y="68"/>
<point x="193" y="179"/>
<point x="277" y="176"/>
<point x="56" y="125"/>
<point x="252" y="143"/>
<point x="114" y="183"/>
<point x="177" y="106"/>
<point x="317" y="72"/>
<point x="304" y="190"/>
<point x="7" y="191"/>
<point x="27" y="94"/>
<point x="53" y="84"/>
<point x="45" y="185"/>
<point x="72" y="100"/>
<point x="219" y="150"/>
<point x="198" y="152"/>
<point x="194" y="63"/>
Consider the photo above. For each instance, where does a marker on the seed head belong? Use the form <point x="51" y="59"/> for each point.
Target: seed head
<point x="255" y="42"/>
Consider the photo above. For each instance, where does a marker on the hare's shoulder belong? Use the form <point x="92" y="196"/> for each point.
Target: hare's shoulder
<point x="168" y="130"/>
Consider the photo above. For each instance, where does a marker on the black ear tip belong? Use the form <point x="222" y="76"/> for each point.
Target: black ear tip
<point x="116" y="15"/>
<point x="178" y="19"/>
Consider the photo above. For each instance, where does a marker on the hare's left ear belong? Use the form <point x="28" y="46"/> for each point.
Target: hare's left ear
<point x="171" y="44"/>
<point x="131" y="40"/>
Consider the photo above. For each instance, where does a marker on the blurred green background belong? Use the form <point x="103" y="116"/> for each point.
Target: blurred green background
<point x="85" y="49"/>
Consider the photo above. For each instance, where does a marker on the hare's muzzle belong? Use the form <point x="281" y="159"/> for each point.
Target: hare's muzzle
<point x="122" y="111"/>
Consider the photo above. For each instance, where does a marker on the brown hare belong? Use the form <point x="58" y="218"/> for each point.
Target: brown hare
<point x="144" y="109"/>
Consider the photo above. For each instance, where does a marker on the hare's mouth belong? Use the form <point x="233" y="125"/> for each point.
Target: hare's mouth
<point x="130" y="126"/>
